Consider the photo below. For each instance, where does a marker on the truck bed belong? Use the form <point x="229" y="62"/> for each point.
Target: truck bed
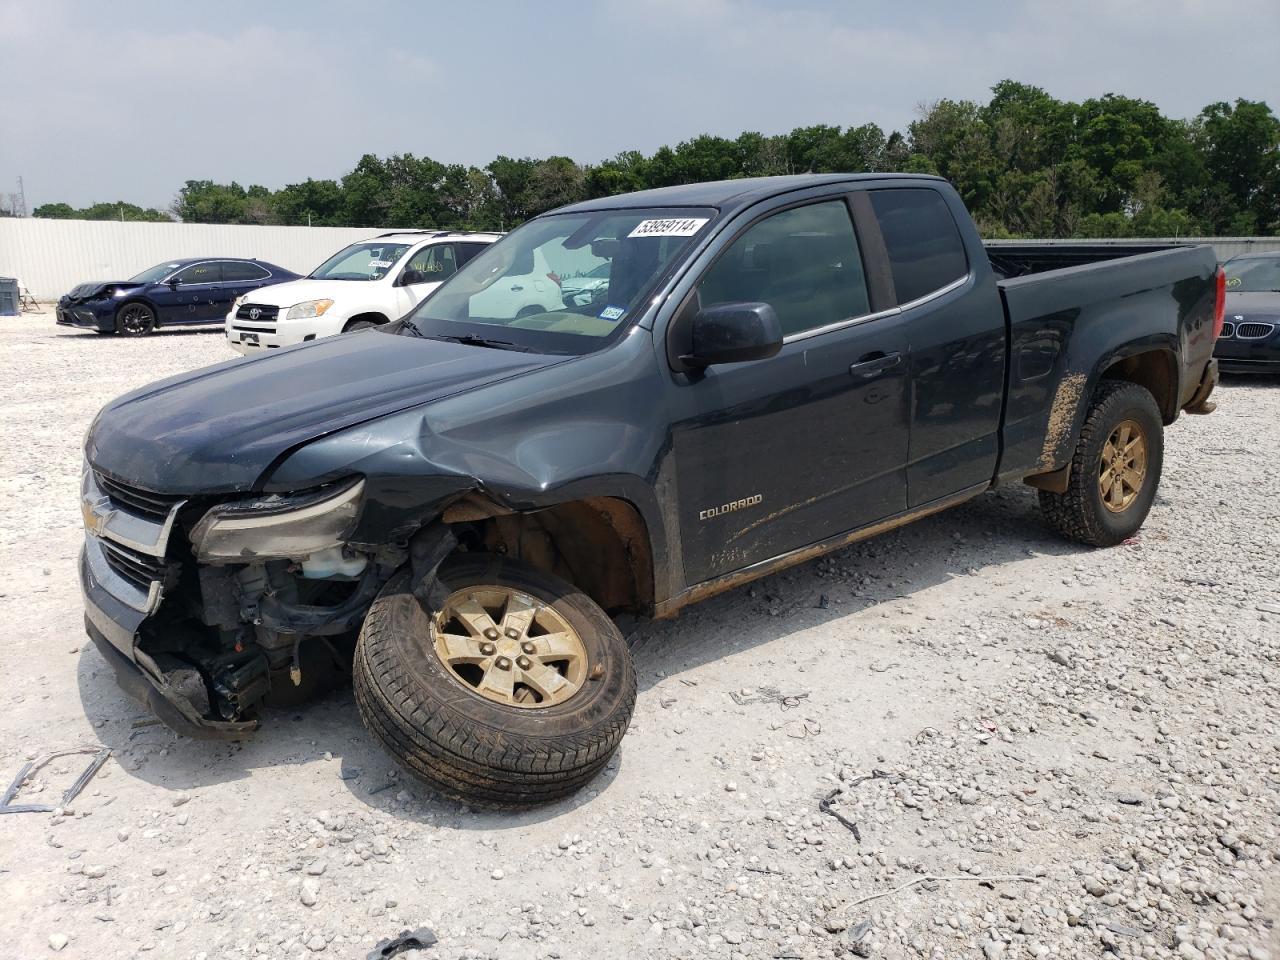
<point x="1072" y="311"/>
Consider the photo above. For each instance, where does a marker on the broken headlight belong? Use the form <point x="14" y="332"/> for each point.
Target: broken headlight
<point x="279" y="527"/>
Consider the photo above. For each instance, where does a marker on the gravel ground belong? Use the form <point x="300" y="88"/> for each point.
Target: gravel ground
<point x="1046" y="750"/>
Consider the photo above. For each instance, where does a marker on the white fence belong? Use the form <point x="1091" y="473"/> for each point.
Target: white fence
<point x="52" y="256"/>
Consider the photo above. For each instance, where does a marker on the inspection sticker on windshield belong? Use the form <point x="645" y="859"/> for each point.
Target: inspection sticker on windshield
<point x="380" y="263"/>
<point x="685" y="227"/>
<point x="612" y="313"/>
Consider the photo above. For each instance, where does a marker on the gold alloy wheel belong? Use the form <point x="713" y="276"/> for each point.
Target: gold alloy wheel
<point x="509" y="647"/>
<point x="1123" y="466"/>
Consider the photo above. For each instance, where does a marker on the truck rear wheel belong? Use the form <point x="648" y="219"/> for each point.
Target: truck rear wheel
<point x="1115" y="470"/>
<point x="516" y="692"/>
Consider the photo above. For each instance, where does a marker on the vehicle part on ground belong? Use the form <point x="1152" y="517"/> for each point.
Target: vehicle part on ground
<point x="418" y="939"/>
<point x="1115" y="470"/>
<point x="477" y="725"/>
<point x="100" y="755"/>
<point x="135" y="320"/>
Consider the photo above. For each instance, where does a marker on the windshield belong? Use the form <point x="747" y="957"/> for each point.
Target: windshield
<point x="1253" y="274"/>
<point x="155" y="274"/>
<point x="361" y="261"/>
<point x="530" y="290"/>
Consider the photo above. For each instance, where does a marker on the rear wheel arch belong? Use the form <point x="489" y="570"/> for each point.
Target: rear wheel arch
<point x="1156" y="370"/>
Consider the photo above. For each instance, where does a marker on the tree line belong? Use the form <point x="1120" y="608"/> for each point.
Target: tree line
<point x="1026" y="164"/>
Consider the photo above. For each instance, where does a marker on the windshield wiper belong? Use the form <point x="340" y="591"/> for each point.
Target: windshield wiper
<point x="471" y="340"/>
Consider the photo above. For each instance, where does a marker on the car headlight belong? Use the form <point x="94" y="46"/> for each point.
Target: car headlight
<point x="308" y="309"/>
<point x="235" y="304"/>
<point x="279" y="527"/>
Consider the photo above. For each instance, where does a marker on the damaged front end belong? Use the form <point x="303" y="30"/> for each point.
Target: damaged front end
<point x="210" y="609"/>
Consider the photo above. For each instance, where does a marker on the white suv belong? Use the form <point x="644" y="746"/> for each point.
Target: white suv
<point x="369" y="283"/>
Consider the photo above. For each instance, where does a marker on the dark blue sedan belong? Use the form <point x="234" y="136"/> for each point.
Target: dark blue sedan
<point x="197" y="290"/>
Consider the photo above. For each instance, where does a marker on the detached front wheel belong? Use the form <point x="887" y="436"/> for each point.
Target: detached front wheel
<point x="516" y="692"/>
<point x="1115" y="471"/>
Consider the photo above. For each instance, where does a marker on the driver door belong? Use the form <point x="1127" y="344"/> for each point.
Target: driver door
<point x="773" y="455"/>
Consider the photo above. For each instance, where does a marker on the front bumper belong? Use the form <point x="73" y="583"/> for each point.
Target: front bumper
<point x="84" y="316"/>
<point x="1241" y="354"/>
<point x="252" y="337"/>
<point x="120" y="547"/>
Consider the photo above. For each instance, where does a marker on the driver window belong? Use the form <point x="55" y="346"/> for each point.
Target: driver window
<point x="803" y="262"/>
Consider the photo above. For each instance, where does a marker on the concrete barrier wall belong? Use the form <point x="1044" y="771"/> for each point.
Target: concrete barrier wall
<point x="52" y="256"/>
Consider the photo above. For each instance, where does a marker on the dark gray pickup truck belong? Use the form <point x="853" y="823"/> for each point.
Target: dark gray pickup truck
<point x="453" y="508"/>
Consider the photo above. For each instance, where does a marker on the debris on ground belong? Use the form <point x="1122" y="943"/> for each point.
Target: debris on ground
<point x="100" y="755"/>
<point x="418" y="939"/>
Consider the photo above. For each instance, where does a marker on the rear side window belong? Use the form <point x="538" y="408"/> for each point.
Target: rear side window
<point x="922" y="240"/>
<point x="200" y="273"/>
<point x="234" y="271"/>
<point x="803" y="262"/>
<point x="468" y="250"/>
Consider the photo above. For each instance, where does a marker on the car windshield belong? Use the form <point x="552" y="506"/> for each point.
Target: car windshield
<point x="526" y="292"/>
<point x="156" y="273"/>
<point x="361" y="261"/>
<point x="1253" y="274"/>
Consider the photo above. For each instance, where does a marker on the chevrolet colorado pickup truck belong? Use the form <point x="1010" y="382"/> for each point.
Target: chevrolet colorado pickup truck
<point x="455" y="507"/>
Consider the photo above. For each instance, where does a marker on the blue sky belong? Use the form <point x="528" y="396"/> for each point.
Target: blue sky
<point x="127" y="99"/>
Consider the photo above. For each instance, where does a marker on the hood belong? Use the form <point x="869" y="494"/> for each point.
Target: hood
<point x="85" y="291"/>
<point x="285" y="295"/>
<point x="218" y="429"/>
<point x="1264" y="305"/>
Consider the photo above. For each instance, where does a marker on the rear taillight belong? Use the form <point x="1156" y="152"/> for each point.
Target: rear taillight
<point x="1219" y="303"/>
<point x="554" y="277"/>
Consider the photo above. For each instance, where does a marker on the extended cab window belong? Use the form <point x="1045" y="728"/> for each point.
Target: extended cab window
<point x="237" y="272"/>
<point x="923" y="242"/>
<point x="199" y="273"/>
<point x="803" y="262"/>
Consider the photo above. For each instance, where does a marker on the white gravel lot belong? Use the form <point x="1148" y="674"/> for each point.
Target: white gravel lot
<point x="1103" y="723"/>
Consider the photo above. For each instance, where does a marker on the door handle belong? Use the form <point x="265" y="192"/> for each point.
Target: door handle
<point x="874" y="364"/>
<point x="517" y="288"/>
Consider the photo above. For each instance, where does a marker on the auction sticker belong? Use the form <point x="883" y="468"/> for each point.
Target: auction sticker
<point x="380" y="264"/>
<point x="612" y="313"/>
<point x="684" y="227"/>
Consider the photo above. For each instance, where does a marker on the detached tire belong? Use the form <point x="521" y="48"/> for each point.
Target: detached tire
<point x="516" y="693"/>
<point x="1115" y="470"/>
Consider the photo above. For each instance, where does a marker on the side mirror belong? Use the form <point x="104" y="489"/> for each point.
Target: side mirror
<point x="173" y="283"/>
<point x="410" y="277"/>
<point x="733" y="333"/>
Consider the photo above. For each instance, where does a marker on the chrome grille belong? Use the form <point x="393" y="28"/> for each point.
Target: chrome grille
<point x="1228" y="331"/>
<point x="155" y="506"/>
<point x="264" y="312"/>
<point x="138" y="568"/>
<point x="1254" y="330"/>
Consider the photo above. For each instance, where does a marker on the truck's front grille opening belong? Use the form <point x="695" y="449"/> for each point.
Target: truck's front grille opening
<point x="155" y="506"/>
<point x="138" y="568"/>
<point x="1253" y="330"/>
